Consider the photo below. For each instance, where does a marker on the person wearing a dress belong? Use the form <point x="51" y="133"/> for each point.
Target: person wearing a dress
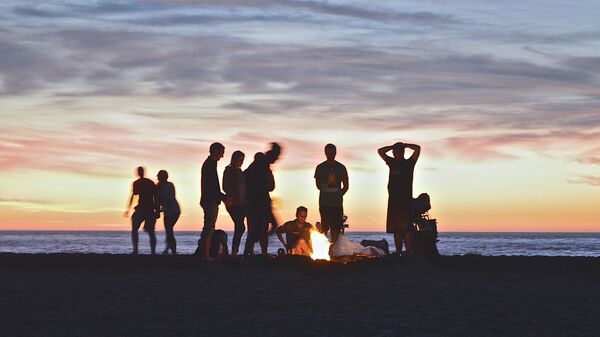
<point x="400" y="191"/>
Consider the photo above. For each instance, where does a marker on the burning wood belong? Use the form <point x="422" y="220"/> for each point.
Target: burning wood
<point x="320" y="246"/>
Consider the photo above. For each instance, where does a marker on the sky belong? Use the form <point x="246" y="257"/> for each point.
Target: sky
<point x="503" y="98"/>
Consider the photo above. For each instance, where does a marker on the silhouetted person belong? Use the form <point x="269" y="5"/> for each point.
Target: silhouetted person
<point x="259" y="182"/>
<point x="146" y="211"/>
<point x="165" y="196"/>
<point x="297" y="234"/>
<point x="400" y="189"/>
<point x="217" y="249"/>
<point x="234" y="186"/>
<point x="331" y="178"/>
<point x="210" y="193"/>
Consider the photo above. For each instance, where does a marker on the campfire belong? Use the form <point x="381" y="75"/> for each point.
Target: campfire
<point x="320" y="246"/>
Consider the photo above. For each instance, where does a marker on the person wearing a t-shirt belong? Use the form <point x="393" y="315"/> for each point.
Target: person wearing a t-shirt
<point x="400" y="190"/>
<point x="210" y="194"/>
<point x="331" y="178"/>
<point x="146" y="211"/>
<point x="297" y="234"/>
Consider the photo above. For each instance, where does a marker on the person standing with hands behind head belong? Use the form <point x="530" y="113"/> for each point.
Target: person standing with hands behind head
<point x="165" y="196"/>
<point x="400" y="189"/>
<point x="235" y="189"/>
<point x="210" y="195"/>
<point x="331" y="178"/>
<point x="146" y="211"/>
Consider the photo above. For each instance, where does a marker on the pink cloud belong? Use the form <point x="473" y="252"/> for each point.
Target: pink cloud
<point x="497" y="146"/>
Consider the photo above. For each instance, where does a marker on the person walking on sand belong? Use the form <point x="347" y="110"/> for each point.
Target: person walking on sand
<point x="165" y="195"/>
<point x="400" y="190"/>
<point x="331" y="178"/>
<point x="234" y="186"/>
<point x="210" y="194"/>
<point x="146" y="211"/>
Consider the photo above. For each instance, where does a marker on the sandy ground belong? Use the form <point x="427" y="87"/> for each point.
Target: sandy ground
<point x="116" y="295"/>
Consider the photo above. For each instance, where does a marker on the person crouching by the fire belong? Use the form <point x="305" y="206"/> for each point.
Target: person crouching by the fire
<point x="297" y="234"/>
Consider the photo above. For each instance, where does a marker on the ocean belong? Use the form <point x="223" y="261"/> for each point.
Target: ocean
<point x="451" y="243"/>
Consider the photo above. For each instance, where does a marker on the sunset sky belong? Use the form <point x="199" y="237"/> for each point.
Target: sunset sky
<point x="504" y="99"/>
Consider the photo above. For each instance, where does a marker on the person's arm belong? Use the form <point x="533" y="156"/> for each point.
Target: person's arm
<point x="318" y="179"/>
<point x="227" y="181"/>
<point x="126" y="214"/>
<point x="416" y="153"/>
<point x="224" y="245"/>
<point x="383" y="152"/>
<point x="345" y="182"/>
<point x="279" y="232"/>
<point x="156" y="203"/>
<point x="270" y="179"/>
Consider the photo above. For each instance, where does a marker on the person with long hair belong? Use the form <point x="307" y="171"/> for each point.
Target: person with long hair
<point x="234" y="187"/>
<point x="400" y="190"/>
<point x="165" y="195"/>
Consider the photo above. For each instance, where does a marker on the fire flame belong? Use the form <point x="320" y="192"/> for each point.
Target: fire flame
<point x="320" y="246"/>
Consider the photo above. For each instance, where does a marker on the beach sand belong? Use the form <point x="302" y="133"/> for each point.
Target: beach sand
<point x="117" y="295"/>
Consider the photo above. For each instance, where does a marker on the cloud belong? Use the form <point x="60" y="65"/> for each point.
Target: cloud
<point x="588" y="64"/>
<point x="497" y="146"/>
<point x="591" y="157"/>
<point x="588" y="180"/>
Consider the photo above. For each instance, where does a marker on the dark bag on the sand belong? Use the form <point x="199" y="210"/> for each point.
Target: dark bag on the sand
<point x="381" y="244"/>
<point x="425" y="243"/>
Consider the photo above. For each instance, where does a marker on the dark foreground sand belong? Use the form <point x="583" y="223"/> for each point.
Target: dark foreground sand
<point x="113" y="295"/>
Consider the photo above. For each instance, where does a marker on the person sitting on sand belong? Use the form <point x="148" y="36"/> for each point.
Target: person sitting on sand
<point x="218" y="246"/>
<point x="146" y="211"/>
<point x="297" y="233"/>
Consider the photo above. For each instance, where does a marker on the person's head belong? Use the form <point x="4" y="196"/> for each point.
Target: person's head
<point x="140" y="172"/>
<point x="330" y="152"/>
<point x="237" y="159"/>
<point x="301" y="214"/>
<point x="398" y="151"/>
<point x="217" y="150"/>
<point x="273" y="154"/>
<point x="162" y="176"/>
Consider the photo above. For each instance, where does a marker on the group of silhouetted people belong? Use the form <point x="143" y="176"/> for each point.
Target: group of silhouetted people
<point x="152" y="200"/>
<point x="246" y="195"/>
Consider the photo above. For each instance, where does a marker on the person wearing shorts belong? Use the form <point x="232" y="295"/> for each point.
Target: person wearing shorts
<point x="146" y="211"/>
<point x="331" y="178"/>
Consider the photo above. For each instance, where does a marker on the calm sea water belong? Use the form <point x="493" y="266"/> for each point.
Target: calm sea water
<point x="526" y="244"/>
